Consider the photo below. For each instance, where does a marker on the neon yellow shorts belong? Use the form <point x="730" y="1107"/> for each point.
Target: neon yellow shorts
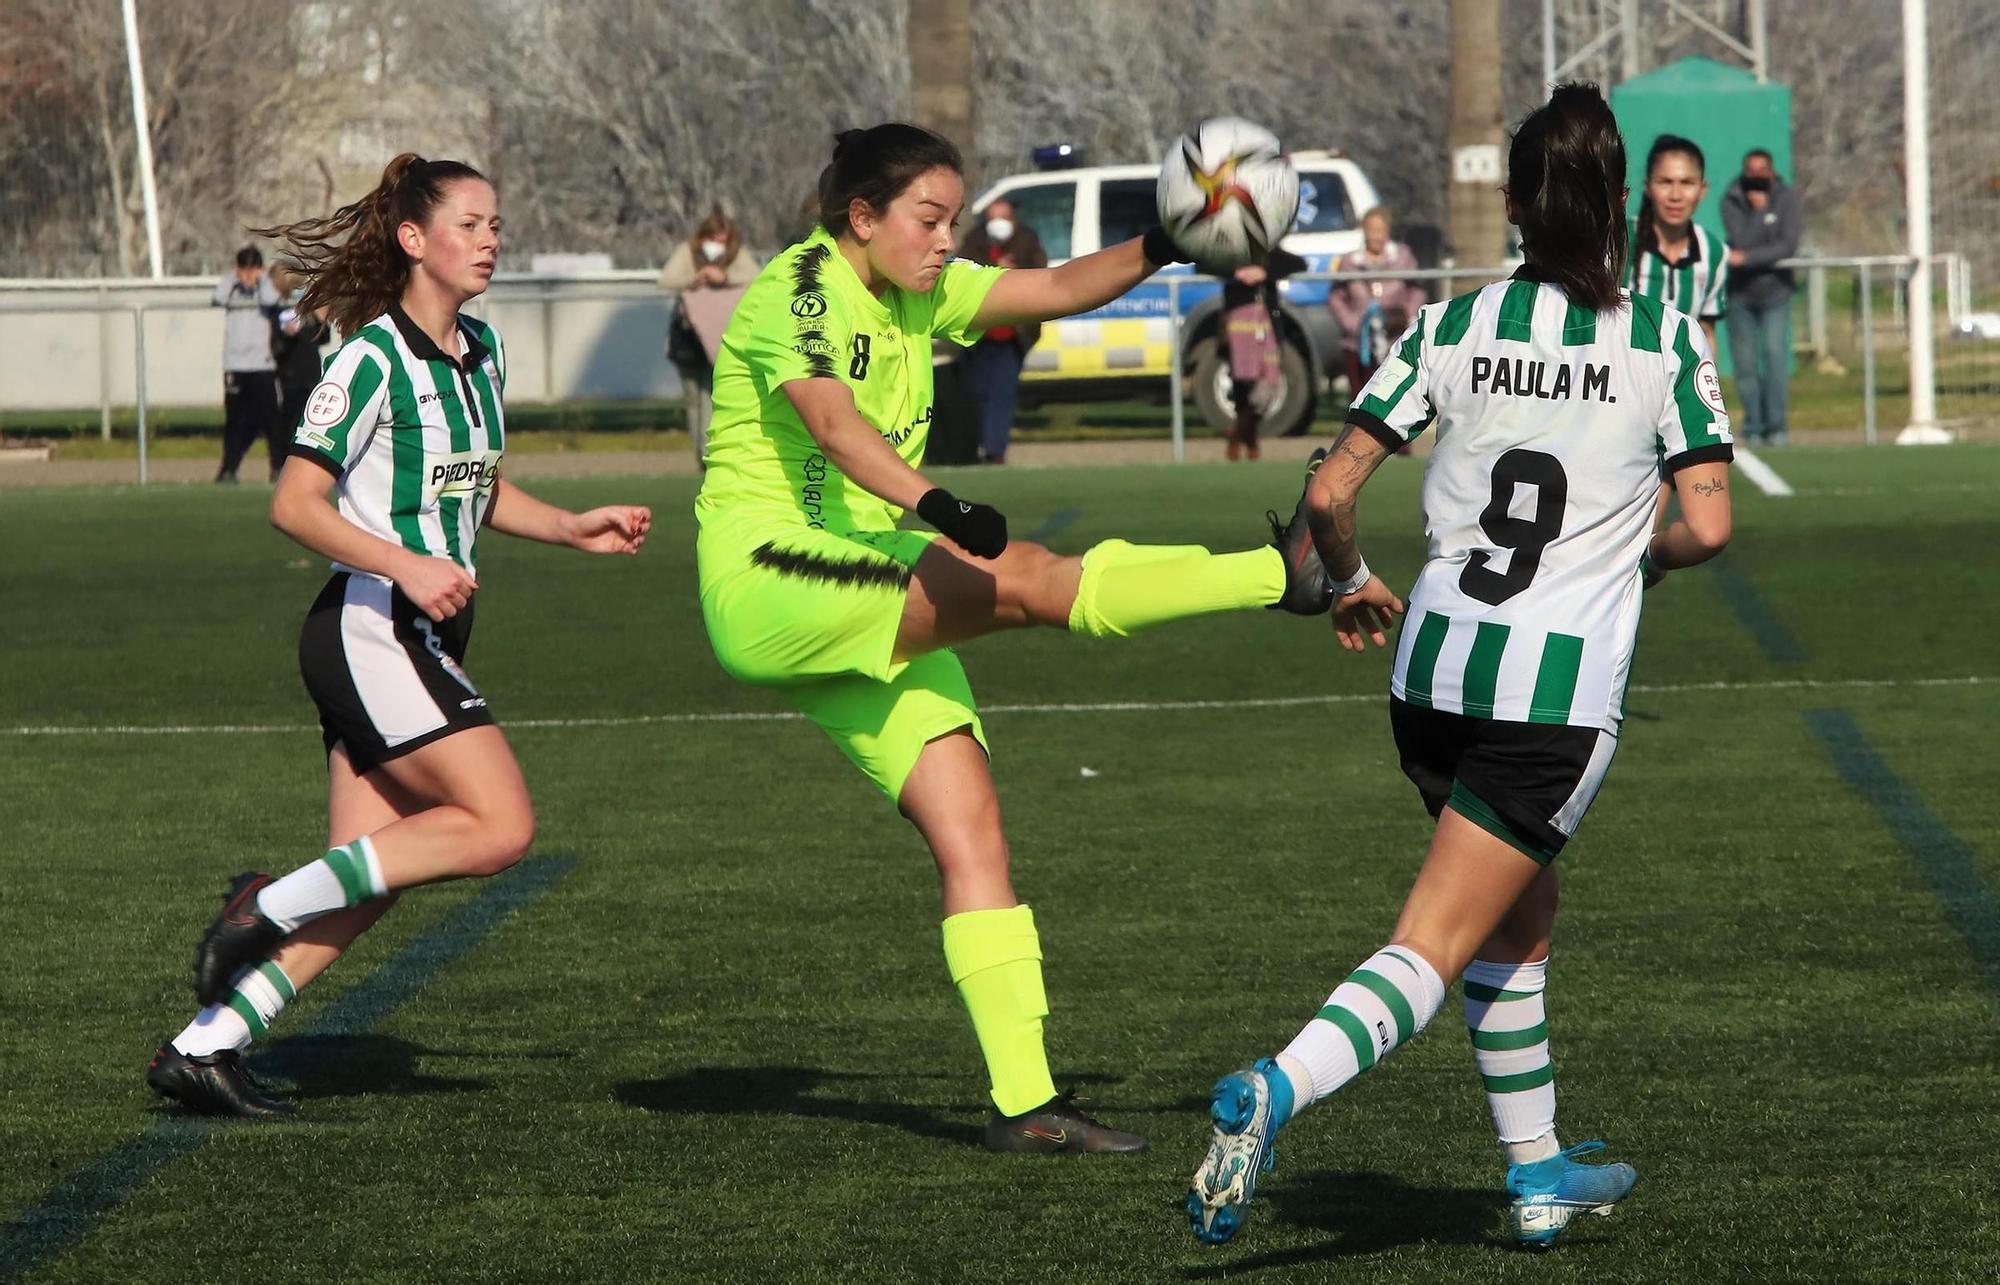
<point x="814" y="614"/>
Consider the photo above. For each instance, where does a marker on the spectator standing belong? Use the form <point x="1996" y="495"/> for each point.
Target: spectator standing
<point x="1762" y="221"/>
<point x="296" y="339"/>
<point x="249" y="378"/>
<point x="714" y="258"/>
<point x="1373" y="313"/>
<point x="992" y="367"/>
<point x="1250" y="333"/>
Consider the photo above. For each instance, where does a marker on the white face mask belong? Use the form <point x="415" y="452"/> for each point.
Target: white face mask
<point x="712" y="250"/>
<point x="999" y="230"/>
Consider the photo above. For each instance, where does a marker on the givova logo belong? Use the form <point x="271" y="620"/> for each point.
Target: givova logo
<point x="466" y="473"/>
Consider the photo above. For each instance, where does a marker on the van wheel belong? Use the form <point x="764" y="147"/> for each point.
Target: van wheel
<point x="1297" y="396"/>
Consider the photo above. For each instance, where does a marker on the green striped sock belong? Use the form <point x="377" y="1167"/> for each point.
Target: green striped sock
<point x="1381" y="1005"/>
<point x="1510" y="1044"/>
<point x="345" y="876"/>
<point x="260" y="995"/>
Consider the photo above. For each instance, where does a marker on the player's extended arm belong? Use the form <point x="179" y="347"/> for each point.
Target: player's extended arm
<point x="1024" y="295"/>
<point x="1702" y="530"/>
<point x="614" y="528"/>
<point x="299" y="508"/>
<point x="1363" y="605"/>
<point x="865" y="458"/>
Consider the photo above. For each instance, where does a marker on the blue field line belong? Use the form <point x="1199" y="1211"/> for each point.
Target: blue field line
<point x="74" y="1206"/>
<point x="1055" y="523"/>
<point x="1755" y="613"/>
<point x="1947" y="863"/>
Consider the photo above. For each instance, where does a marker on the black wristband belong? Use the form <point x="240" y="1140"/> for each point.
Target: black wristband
<point x="979" y="529"/>
<point x="1159" y="248"/>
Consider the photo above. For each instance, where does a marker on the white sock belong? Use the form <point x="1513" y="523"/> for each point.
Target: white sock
<point x="1510" y="1043"/>
<point x="345" y="876"/>
<point x="1383" y="1003"/>
<point x="260" y="995"/>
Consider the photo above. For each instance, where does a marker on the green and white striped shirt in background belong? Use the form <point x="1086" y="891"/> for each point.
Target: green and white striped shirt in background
<point x="1552" y="423"/>
<point x="413" y="435"/>
<point x="1694" y="283"/>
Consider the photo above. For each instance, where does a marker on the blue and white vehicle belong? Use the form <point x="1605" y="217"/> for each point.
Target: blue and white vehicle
<point x="1077" y="211"/>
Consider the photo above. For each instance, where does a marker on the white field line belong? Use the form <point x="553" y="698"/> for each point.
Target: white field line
<point x="1094" y="707"/>
<point x="1761" y="475"/>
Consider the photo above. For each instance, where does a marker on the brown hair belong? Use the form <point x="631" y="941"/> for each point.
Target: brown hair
<point x="716" y="227"/>
<point x="876" y="164"/>
<point x="1566" y="177"/>
<point x="353" y="264"/>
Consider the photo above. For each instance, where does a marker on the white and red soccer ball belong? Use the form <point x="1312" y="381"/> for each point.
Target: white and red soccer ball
<point x="1227" y="193"/>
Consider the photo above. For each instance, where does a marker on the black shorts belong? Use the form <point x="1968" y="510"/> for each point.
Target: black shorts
<point x="387" y="678"/>
<point x="1526" y="783"/>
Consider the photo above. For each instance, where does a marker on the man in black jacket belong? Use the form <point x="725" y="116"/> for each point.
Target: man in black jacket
<point x="1761" y="219"/>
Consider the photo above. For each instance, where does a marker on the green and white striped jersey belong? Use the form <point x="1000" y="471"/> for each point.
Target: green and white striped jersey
<point x="1694" y="283"/>
<point x="413" y="435"/>
<point x="1552" y="424"/>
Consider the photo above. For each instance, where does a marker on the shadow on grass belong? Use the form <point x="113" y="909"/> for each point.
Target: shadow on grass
<point x="1362" y="1213"/>
<point x="804" y="1091"/>
<point x="342" y="1066"/>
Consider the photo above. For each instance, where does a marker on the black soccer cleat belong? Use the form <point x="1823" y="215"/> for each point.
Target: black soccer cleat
<point x="213" y="1084"/>
<point x="1058" y="1125"/>
<point x="237" y="938"/>
<point x="1307" y="590"/>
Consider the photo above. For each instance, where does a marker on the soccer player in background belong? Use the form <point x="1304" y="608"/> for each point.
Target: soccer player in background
<point x="822" y="406"/>
<point x="1674" y="259"/>
<point x="1555" y="399"/>
<point x="407" y="428"/>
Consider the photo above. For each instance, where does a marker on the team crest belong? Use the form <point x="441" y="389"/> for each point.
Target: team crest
<point x="1709" y="386"/>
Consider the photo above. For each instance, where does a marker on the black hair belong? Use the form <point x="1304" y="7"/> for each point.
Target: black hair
<point x="249" y="257"/>
<point x="876" y="164"/>
<point x="1763" y="152"/>
<point x="1664" y="145"/>
<point x="1566" y="177"/>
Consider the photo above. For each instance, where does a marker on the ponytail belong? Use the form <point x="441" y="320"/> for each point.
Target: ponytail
<point x="1566" y="178"/>
<point x="351" y="261"/>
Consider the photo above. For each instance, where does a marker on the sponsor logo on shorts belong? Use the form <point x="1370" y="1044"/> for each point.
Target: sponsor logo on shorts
<point x="467" y="473"/>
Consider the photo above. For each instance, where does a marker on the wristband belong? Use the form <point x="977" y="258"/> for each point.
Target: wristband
<point x="1362" y="575"/>
<point x="1159" y="248"/>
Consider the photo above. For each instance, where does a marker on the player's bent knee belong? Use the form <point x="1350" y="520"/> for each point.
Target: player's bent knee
<point x="504" y="838"/>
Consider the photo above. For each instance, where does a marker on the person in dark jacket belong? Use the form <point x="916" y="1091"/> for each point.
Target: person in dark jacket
<point x="296" y="340"/>
<point x="992" y="367"/>
<point x="1250" y="336"/>
<point x="1762" y="222"/>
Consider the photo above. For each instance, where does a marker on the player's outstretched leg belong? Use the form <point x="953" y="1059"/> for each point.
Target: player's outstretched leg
<point x="1547" y="1194"/>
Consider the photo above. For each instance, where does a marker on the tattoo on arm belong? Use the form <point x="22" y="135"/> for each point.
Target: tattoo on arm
<point x="1709" y="488"/>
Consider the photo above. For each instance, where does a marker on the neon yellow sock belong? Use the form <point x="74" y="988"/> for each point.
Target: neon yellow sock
<point x="995" y="960"/>
<point x="1126" y="587"/>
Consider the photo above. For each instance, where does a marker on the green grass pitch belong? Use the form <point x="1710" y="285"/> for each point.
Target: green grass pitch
<point x="714" y="1040"/>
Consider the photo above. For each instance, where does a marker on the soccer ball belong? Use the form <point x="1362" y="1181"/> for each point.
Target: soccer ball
<point x="1227" y="193"/>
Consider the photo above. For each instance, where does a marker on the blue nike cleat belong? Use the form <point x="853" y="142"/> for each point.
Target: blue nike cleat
<point x="1247" y="1109"/>
<point x="1548" y="1193"/>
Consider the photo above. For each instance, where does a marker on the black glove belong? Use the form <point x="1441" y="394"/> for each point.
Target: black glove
<point x="1159" y="248"/>
<point x="979" y="529"/>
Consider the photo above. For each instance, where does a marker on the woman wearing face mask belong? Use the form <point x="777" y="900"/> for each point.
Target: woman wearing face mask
<point x="714" y="258"/>
<point x="993" y="365"/>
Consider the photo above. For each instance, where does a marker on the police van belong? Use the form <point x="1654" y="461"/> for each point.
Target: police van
<point x="1077" y="211"/>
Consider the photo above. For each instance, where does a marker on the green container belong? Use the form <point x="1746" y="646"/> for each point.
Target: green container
<point x="1723" y="109"/>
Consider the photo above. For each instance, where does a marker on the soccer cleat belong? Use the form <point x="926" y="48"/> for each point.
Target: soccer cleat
<point x="1548" y="1193"/>
<point x="1307" y="590"/>
<point x="1247" y="1117"/>
<point x="213" y="1084"/>
<point x="1058" y="1125"/>
<point x="238" y="937"/>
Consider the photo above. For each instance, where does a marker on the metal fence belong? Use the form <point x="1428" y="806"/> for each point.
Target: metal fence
<point x="601" y="336"/>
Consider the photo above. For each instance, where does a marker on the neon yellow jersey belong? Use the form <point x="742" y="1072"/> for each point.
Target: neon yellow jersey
<point x="807" y="316"/>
